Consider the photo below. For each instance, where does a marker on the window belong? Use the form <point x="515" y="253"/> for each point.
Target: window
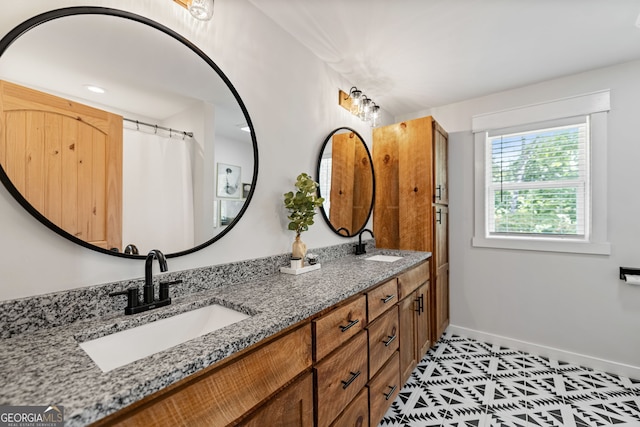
<point x="539" y="180"/>
<point x="539" y="183"/>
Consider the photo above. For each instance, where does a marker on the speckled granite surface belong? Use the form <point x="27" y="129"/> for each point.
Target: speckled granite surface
<point x="93" y="302"/>
<point x="48" y="366"/>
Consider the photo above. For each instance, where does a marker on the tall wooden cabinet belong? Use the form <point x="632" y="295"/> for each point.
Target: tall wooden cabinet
<point x="411" y="201"/>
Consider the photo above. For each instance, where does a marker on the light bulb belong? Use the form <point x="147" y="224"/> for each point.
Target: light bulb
<point x="201" y="9"/>
<point x="356" y="97"/>
<point x="375" y="115"/>
<point x="365" y="109"/>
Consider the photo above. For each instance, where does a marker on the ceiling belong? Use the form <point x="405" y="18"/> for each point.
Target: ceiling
<point x="412" y="55"/>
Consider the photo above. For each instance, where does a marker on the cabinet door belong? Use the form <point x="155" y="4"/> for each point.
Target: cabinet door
<point x="407" y="344"/>
<point x="440" y="186"/>
<point x="423" y="330"/>
<point x="415" y="184"/>
<point x="441" y="227"/>
<point x="386" y="222"/>
<point x="442" y="300"/>
<point x="292" y="407"/>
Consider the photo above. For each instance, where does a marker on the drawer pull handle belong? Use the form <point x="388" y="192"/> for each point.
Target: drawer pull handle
<point x="347" y="383"/>
<point x="390" y="340"/>
<point x="422" y="303"/>
<point x="388" y="298"/>
<point x="388" y="395"/>
<point x="349" y="325"/>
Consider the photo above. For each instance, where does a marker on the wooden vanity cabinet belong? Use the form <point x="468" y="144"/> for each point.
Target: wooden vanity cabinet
<point x="342" y="367"/>
<point x="414" y="319"/>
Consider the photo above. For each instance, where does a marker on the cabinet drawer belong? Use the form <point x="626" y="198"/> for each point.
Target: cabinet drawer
<point x="337" y="326"/>
<point x="382" y="298"/>
<point x="356" y="414"/>
<point x="339" y="378"/>
<point x="383" y="389"/>
<point x="223" y="395"/>
<point x="409" y="281"/>
<point x="383" y="340"/>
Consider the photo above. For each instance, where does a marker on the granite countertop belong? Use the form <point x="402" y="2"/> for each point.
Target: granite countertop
<point x="48" y="366"/>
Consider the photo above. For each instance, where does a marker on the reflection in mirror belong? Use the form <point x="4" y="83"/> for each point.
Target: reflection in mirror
<point x="345" y="175"/>
<point x="114" y="128"/>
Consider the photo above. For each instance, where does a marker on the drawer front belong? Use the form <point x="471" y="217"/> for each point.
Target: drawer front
<point x="383" y="340"/>
<point x="384" y="389"/>
<point x="222" y="396"/>
<point x="409" y="281"/>
<point x="339" y="378"/>
<point x="381" y="299"/>
<point x="337" y="326"/>
<point x="356" y="414"/>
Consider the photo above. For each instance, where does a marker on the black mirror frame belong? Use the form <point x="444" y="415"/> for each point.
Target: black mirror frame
<point x="373" y="181"/>
<point x="37" y="20"/>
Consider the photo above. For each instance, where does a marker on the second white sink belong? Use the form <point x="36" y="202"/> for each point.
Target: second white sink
<point x="384" y="258"/>
<point x="121" y="348"/>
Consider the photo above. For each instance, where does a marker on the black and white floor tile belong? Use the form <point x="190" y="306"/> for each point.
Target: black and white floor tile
<point x="466" y="383"/>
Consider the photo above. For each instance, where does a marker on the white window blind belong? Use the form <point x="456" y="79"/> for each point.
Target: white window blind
<point x="538" y="180"/>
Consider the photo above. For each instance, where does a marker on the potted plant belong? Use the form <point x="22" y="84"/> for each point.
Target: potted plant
<point x="302" y="208"/>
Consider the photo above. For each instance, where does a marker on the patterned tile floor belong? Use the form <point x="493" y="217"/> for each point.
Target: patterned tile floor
<point x="464" y="382"/>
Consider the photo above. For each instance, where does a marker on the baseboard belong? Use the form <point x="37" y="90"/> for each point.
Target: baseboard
<point x="621" y="369"/>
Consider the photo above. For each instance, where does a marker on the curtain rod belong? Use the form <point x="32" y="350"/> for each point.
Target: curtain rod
<point x="156" y="127"/>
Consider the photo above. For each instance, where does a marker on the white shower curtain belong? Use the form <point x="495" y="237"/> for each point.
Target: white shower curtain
<point x="157" y="192"/>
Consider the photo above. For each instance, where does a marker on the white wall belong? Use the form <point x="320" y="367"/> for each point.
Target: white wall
<point x="292" y="99"/>
<point x="574" y="303"/>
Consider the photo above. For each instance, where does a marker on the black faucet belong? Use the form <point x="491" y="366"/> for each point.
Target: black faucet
<point x="148" y="290"/>
<point x="360" y="247"/>
<point x="148" y="299"/>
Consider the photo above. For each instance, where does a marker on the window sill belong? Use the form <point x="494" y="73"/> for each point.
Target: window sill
<point x="543" y="245"/>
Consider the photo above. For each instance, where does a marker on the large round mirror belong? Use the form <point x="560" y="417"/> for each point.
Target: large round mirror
<point x="347" y="183"/>
<point x="121" y="135"/>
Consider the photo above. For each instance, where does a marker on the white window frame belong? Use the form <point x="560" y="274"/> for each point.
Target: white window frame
<point x="595" y="105"/>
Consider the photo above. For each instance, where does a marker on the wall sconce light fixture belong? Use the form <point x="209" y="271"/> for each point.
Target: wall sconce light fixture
<point x="360" y="105"/>
<point x="200" y="9"/>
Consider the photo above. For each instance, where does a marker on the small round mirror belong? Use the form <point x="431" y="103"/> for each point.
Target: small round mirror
<point x="347" y="183"/>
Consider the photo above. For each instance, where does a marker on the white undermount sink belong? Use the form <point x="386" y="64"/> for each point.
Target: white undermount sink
<point x="383" y="258"/>
<point x="121" y="348"/>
